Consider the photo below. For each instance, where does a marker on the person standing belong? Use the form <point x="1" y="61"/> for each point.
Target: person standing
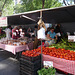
<point x="29" y="30"/>
<point x="0" y="31"/>
<point x="48" y="29"/>
<point x="41" y="28"/>
<point x="58" y="32"/>
<point x="8" y="32"/>
<point x="35" y="31"/>
<point x="51" y="35"/>
<point x="15" y="33"/>
<point x="22" y="34"/>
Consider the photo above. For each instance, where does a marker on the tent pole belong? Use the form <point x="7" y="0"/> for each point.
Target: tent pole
<point x="41" y="55"/>
<point x="41" y="41"/>
<point x="41" y="15"/>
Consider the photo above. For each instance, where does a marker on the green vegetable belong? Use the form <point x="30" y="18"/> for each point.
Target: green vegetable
<point x="65" y="44"/>
<point x="3" y="35"/>
<point x="49" y="71"/>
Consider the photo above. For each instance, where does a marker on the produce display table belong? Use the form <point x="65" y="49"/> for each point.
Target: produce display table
<point x="15" y="49"/>
<point x="61" y="64"/>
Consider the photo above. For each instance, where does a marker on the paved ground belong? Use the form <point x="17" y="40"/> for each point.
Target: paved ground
<point x="9" y="65"/>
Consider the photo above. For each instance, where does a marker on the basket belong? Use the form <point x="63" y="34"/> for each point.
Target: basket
<point x="32" y="59"/>
<point x="28" y="73"/>
<point x="29" y="64"/>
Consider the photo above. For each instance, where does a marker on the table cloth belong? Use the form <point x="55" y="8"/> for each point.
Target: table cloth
<point x="61" y="64"/>
<point x="15" y="49"/>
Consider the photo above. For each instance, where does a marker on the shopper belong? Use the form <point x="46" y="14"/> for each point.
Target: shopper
<point x="0" y="31"/>
<point x="15" y="33"/>
<point x="29" y="30"/>
<point x="22" y="33"/>
<point x="20" y="30"/>
<point x="37" y="41"/>
<point x="8" y="32"/>
<point x="35" y="31"/>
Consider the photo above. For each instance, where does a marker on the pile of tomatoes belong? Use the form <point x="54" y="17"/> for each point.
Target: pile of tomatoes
<point x="30" y="53"/>
<point x="59" y="53"/>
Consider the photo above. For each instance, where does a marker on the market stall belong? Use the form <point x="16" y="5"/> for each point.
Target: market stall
<point x="62" y="58"/>
<point x="15" y="46"/>
<point x="64" y="61"/>
<point x="15" y="49"/>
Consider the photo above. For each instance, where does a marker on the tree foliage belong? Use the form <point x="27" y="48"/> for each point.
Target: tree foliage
<point x="29" y="5"/>
<point x="6" y="7"/>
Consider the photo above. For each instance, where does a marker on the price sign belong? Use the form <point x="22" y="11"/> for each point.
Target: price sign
<point x="41" y="33"/>
<point x="3" y="21"/>
<point x="71" y="38"/>
<point x="48" y="63"/>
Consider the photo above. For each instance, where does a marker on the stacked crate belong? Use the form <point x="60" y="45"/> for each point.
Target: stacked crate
<point x="30" y="65"/>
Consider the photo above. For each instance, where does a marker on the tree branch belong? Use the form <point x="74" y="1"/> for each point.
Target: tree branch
<point x="64" y="2"/>
<point x="67" y="2"/>
<point x="4" y="4"/>
<point x="43" y="1"/>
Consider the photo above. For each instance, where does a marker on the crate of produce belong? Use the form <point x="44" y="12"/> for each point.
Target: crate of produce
<point x="28" y="73"/>
<point x="22" y="67"/>
<point x="32" y="59"/>
<point x="29" y="64"/>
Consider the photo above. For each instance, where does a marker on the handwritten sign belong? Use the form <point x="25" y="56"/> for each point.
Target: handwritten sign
<point x="48" y="63"/>
<point x="41" y="33"/>
<point x="3" y="21"/>
<point x="71" y="38"/>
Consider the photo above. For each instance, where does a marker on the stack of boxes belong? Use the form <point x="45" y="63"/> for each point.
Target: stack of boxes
<point x="30" y="65"/>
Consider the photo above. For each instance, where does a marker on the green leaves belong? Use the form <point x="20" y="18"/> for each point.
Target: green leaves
<point x="49" y="71"/>
<point x="26" y="5"/>
<point x="65" y="44"/>
<point x="2" y="36"/>
<point x="29" y="5"/>
<point x="8" y="8"/>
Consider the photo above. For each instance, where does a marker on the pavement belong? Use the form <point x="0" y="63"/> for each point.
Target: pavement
<point x="9" y="65"/>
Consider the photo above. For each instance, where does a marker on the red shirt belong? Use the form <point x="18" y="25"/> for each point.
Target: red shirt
<point x="0" y="31"/>
<point x="14" y="34"/>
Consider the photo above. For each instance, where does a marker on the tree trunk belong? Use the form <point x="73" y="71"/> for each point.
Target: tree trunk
<point x="2" y="8"/>
<point x="4" y="4"/>
<point x="43" y="1"/>
<point x="0" y="12"/>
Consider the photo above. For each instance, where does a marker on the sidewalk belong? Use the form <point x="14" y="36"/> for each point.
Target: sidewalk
<point x="8" y="64"/>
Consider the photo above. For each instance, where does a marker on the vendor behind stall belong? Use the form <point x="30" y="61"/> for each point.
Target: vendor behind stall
<point x="58" y="32"/>
<point x="48" y="29"/>
<point x="51" y="36"/>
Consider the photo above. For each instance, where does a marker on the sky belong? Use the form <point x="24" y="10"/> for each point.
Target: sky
<point x="66" y="0"/>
